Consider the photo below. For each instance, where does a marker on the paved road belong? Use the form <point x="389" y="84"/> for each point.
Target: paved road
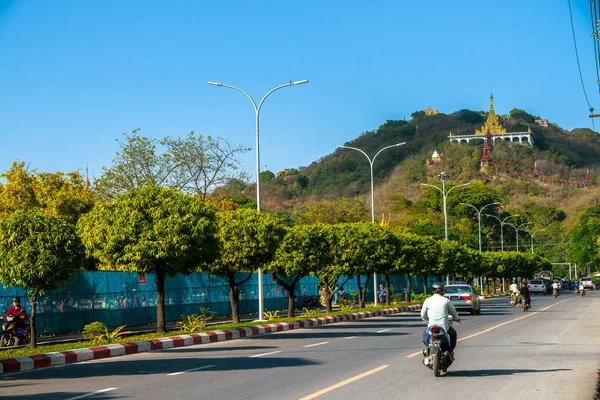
<point x="503" y="354"/>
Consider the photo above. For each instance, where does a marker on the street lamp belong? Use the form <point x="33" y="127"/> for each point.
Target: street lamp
<point x="257" y="113"/>
<point x="519" y="228"/>
<point x="531" y="235"/>
<point x="479" y="211"/>
<point x="443" y="176"/>
<point x="502" y="223"/>
<point x="371" y="160"/>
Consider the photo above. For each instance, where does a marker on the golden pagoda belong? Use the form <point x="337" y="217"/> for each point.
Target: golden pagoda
<point x="431" y="111"/>
<point x="492" y="124"/>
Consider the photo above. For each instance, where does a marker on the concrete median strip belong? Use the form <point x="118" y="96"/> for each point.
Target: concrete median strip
<point x="114" y="350"/>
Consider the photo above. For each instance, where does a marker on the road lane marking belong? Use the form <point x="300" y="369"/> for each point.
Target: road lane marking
<point x="190" y="370"/>
<point x="91" y="394"/>
<point x="350" y="337"/>
<point x="343" y="383"/>
<point x="384" y="330"/>
<point x="316" y="344"/>
<point x="494" y="327"/>
<point x="265" y="354"/>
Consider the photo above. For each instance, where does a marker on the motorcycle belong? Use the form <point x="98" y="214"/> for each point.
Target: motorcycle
<point x="524" y="303"/>
<point x="513" y="298"/>
<point x="9" y="336"/>
<point x="437" y="356"/>
<point x="580" y="291"/>
<point x="555" y="293"/>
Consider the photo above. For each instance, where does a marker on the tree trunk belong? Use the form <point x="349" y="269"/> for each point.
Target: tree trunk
<point x="361" y="294"/>
<point x="291" y="304"/>
<point x="388" y="289"/>
<point x="33" y="301"/>
<point x="425" y="285"/>
<point x="160" y="301"/>
<point x="408" y="289"/>
<point x="290" y="287"/>
<point x="234" y="300"/>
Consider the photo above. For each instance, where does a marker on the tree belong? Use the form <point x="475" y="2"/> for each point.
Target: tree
<point x="414" y="255"/>
<point x="152" y="230"/>
<point x="332" y="212"/>
<point x="458" y="260"/>
<point x="304" y="250"/>
<point x="361" y="249"/>
<point x="248" y="240"/>
<point x="193" y="164"/>
<point x="522" y="115"/>
<point x="37" y="253"/>
<point x="64" y="196"/>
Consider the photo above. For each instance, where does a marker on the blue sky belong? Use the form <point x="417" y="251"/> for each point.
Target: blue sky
<point x="75" y="75"/>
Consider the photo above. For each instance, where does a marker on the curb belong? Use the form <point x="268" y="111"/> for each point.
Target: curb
<point x="37" y="361"/>
<point x="493" y="296"/>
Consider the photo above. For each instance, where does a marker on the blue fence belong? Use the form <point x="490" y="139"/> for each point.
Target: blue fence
<point x="123" y="298"/>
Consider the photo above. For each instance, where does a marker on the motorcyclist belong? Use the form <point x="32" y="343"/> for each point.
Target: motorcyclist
<point x="554" y="288"/>
<point x="525" y="295"/>
<point x="19" y="312"/>
<point x="514" y="291"/>
<point x="436" y="310"/>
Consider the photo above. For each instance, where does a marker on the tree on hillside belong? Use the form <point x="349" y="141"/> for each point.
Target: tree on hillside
<point x="584" y="245"/>
<point x="248" y="240"/>
<point x="332" y="212"/>
<point x="194" y="164"/>
<point x="64" y="196"/>
<point x="151" y="230"/>
<point x="522" y="115"/>
<point x="304" y="250"/>
<point x="37" y="253"/>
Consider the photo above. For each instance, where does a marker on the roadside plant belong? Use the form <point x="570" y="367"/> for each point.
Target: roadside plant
<point x="92" y="330"/>
<point x="194" y="322"/>
<point x="345" y="305"/>
<point x="310" y="313"/>
<point x="271" y="315"/>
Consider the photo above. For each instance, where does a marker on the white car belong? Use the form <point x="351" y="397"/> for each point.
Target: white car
<point x="537" y="286"/>
<point x="463" y="297"/>
<point x="587" y="283"/>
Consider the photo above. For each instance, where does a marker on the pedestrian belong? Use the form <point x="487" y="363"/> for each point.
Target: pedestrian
<point x="382" y="294"/>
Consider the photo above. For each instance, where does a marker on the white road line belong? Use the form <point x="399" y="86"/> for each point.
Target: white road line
<point x="316" y="344"/>
<point x="190" y="370"/>
<point x="384" y="330"/>
<point x="91" y="394"/>
<point x="265" y="354"/>
<point x="350" y="337"/>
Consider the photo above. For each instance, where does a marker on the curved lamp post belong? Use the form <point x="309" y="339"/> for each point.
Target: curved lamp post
<point x="443" y="176"/>
<point x="371" y="160"/>
<point x="502" y="223"/>
<point x="531" y="233"/>
<point x="479" y="211"/>
<point x="257" y="114"/>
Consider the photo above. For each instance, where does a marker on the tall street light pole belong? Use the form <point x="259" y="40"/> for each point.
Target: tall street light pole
<point x="479" y="211"/>
<point x="443" y="176"/>
<point x="531" y="235"/>
<point x="257" y="114"/>
<point x="371" y="160"/>
<point x="502" y="223"/>
<point x="519" y="229"/>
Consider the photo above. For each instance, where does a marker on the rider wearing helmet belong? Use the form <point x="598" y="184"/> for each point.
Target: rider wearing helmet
<point x="436" y="310"/>
<point x="21" y="315"/>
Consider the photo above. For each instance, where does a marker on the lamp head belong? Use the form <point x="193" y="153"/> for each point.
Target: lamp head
<point x="299" y="82"/>
<point x="215" y="83"/>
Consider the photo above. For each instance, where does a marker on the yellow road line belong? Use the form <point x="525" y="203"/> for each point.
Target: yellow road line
<point x="343" y="383"/>
<point x="495" y="326"/>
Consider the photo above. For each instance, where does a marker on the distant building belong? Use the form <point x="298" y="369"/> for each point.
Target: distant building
<point x="542" y="122"/>
<point x="494" y="127"/>
<point x="431" y="111"/>
<point x="436" y="157"/>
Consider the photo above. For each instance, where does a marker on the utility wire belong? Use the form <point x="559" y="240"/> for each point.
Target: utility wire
<point x="595" y="37"/>
<point x="579" y="65"/>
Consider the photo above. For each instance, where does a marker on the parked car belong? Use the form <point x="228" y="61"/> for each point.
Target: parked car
<point x="537" y="286"/>
<point x="463" y="297"/>
<point x="587" y="283"/>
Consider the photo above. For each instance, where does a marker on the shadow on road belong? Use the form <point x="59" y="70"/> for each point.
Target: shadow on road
<point x="63" y="395"/>
<point x="498" y="372"/>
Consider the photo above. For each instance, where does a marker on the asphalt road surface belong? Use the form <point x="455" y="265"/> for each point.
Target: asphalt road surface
<point x="549" y="352"/>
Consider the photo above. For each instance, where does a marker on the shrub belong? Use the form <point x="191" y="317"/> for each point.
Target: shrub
<point x="310" y="313"/>
<point x="194" y="323"/>
<point x="93" y="330"/>
<point x="271" y="315"/>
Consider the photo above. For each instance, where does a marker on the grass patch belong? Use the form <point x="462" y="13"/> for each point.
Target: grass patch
<point x="50" y="348"/>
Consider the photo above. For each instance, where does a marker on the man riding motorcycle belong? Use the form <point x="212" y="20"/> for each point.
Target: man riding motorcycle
<point x="514" y="292"/>
<point x="21" y="317"/>
<point x="436" y="310"/>
<point x="525" y="295"/>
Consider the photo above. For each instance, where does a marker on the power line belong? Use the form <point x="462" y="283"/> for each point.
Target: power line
<point x="579" y="64"/>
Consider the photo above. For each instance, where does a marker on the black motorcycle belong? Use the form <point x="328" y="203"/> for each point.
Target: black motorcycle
<point x="437" y="356"/>
<point x="9" y="336"/>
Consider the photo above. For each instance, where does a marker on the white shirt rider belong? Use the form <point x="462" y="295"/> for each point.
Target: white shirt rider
<point x="555" y="286"/>
<point x="436" y="309"/>
<point x="514" y="288"/>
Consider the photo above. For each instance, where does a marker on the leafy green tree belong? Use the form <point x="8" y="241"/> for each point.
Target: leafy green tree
<point x="64" y="196"/>
<point x="412" y="253"/>
<point x="151" y="230"/>
<point x="458" y="260"/>
<point x="266" y="176"/>
<point x="363" y="248"/>
<point x="248" y="240"/>
<point x="585" y="245"/>
<point x="304" y="250"/>
<point x="522" y="115"/>
<point x="332" y="212"/>
<point x="37" y="253"/>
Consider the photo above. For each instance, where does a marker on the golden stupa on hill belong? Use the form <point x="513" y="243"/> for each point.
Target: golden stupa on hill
<point x="492" y="124"/>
